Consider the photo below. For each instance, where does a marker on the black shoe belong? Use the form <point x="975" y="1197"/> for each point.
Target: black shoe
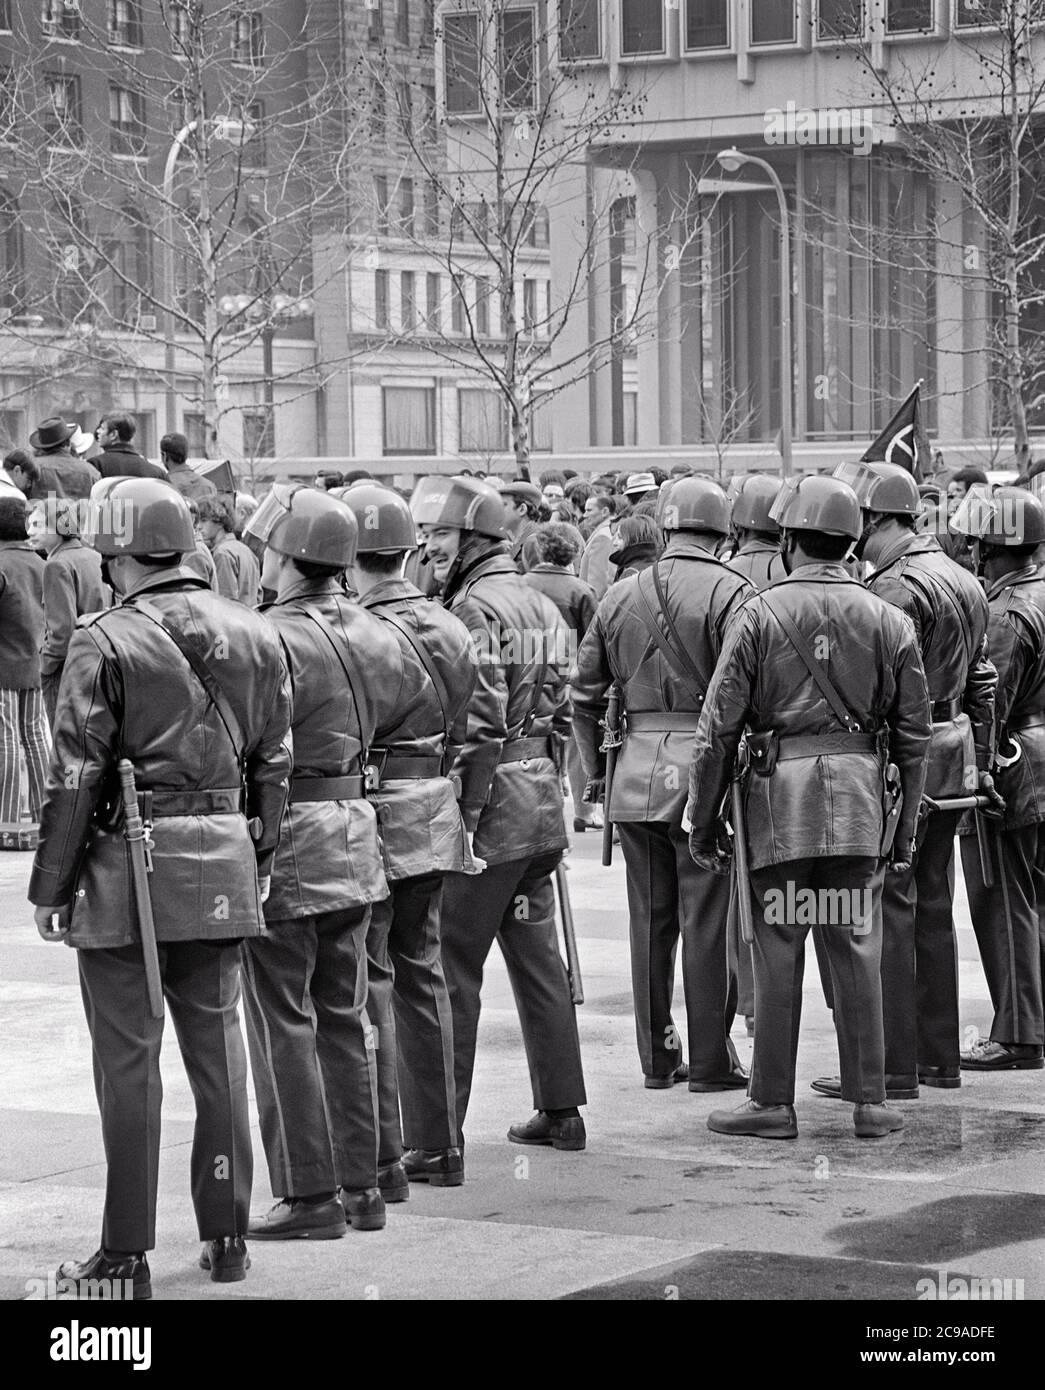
<point x="293" y="1219"/>
<point x="941" y="1078"/>
<point x="115" y="1270"/>
<point x="756" y="1121"/>
<point x="440" y="1167"/>
<point x="393" y="1182"/>
<point x="226" y="1258"/>
<point x="664" y="1083"/>
<point x="875" y="1121"/>
<point x="832" y="1086"/>
<point x="998" y="1056"/>
<point x="364" y="1208"/>
<point x="568" y="1133"/>
<point x="734" y="1080"/>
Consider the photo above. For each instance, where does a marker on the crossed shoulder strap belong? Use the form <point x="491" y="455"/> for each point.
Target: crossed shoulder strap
<point x="671" y="648"/>
<point x="396" y="620"/>
<point x="815" y="668"/>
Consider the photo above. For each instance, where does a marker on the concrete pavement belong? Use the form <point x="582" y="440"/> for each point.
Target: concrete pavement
<point x="657" y="1208"/>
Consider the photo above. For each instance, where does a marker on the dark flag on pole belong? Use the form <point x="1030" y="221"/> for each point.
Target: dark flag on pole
<point x="903" y="440"/>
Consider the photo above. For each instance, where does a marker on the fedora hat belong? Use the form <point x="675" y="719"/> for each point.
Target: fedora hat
<point x="51" y="433"/>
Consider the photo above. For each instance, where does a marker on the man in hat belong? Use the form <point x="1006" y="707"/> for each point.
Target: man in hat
<point x="522" y="507"/>
<point x="640" y="487"/>
<point x="62" y="474"/>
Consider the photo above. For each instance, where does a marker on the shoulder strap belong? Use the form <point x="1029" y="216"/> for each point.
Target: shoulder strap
<point x="674" y="654"/>
<point x="442" y="694"/>
<point x="327" y="629"/>
<point x="815" y="669"/>
<point x="203" y="673"/>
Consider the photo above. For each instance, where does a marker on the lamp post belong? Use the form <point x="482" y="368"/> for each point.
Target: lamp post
<point x="223" y="128"/>
<point x="269" y="311"/>
<point x="732" y="161"/>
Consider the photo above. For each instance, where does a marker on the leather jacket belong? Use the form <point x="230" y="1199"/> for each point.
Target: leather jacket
<point x="760" y="561"/>
<point x="1016" y="638"/>
<point x="127" y="692"/>
<point x="817" y="804"/>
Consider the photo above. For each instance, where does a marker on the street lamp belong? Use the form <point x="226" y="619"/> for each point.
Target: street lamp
<point x="732" y="161"/>
<point x="233" y="131"/>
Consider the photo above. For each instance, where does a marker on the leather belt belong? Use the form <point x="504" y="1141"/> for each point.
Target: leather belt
<point x="942" y="710"/>
<point x="405" y="765"/>
<point x="816" y="745"/>
<point x="216" y="801"/>
<point x="655" y="721"/>
<point x="326" y="789"/>
<point x="1028" y="721"/>
<point x="516" y="750"/>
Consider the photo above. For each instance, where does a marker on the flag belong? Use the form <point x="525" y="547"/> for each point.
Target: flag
<point x="220" y="474"/>
<point x="903" y="440"/>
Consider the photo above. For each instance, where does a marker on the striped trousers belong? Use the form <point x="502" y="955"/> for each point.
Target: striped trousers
<point x="23" y="727"/>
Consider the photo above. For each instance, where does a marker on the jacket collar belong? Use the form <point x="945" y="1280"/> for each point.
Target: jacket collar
<point x="389" y="591"/>
<point x="180" y="577"/>
<point x="641" y="550"/>
<point x="66" y="543"/>
<point x="910" y="543"/>
<point x="545" y="568"/>
<point x="1024" y="575"/>
<point x="829" y="571"/>
<point x="681" y="547"/>
<point x="305" y="589"/>
<point x="757" y="547"/>
<point x="16" y="545"/>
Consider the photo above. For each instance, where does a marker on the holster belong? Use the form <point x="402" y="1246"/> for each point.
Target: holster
<point x="892" y="806"/>
<point x="763" y="749"/>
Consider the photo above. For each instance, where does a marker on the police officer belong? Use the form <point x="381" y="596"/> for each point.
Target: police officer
<point x="657" y="636"/>
<point x="191" y="688"/>
<point x="511" y="798"/>
<point x="311" y="1042"/>
<point x="422" y="838"/>
<point x="822" y="672"/>
<point x="757" y="536"/>
<point x="949" y="613"/>
<point x="1006" y="529"/>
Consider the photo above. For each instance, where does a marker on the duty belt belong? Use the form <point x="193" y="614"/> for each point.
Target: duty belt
<point x="394" y="766"/>
<point x="1027" y="721"/>
<point x="326" y="789"/>
<point x="942" y="710"/>
<point x="662" y="721"/>
<point x="217" y="801"/>
<point x="516" y="750"/>
<point x="817" y="745"/>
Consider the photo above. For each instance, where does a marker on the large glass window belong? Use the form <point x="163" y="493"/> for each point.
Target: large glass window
<point x="642" y="27"/>
<point x="408" y="301"/>
<point x="126" y="121"/>
<point x="908" y="16"/>
<point x="381" y="319"/>
<point x="409" y="416"/>
<point x="518" y="73"/>
<point x="248" y="37"/>
<point x="484" y="422"/>
<point x="62" y="118"/>
<point x="579" y="35"/>
<point x="58" y="18"/>
<point x="461" y="62"/>
<point x="840" y="19"/>
<point x="125" y="23"/>
<point x="773" y="21"/>
<point x="971" y="14"/>
<point x="707" y="24"/>
<point x="433" y="302"/>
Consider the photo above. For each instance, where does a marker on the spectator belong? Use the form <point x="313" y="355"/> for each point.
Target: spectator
<point x="639" y="543"/>
<point x="200" y="560"/>
<point x="73" y="586"/>
<point x="958" y="485"/>
<point x="554" y="575"/>
<point x="174" y="454"/>
<point x="61" y="474"/>
<point x="19" y="472"/>
<point x="522" y="501"/>
<point x="23" y="724"/>
<point x="237" y="572"/>
<point x="244" y="508"/>
<point x="596" y="568"/>
<point x="118" y="459"/>
<point x="357" y="475"/>
<point x="641" y="486"/>
<point x="327" y="479"/>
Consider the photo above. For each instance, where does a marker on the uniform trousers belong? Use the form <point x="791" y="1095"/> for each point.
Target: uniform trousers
<point x="670" y="897"/>
<point x="409" y="1006"/>
<point x="738" y="953"/>
<point x="1008" y="932"/>
<point x="23" y="729"/>
<point x="920" y="957"/>
<point x="312" y="1052"/>
<point x="854" y="961"/>
<point x="514" y="904"/>
<point x="201" y="987"/>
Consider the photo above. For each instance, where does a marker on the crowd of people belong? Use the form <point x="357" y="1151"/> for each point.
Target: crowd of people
<point x="352" y="718"/>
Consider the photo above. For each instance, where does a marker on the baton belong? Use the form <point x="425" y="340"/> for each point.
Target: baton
<point x="573" y="964"/>
<point x="740" y="861"/>
<point x="610" y="745"/>
<point x="970" y="803"/>
<point x="134" y="834"/>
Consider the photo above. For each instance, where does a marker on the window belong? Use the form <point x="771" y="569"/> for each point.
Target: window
<point x="62" y="121"/>
<point x="252" y="150"/>
<point x="541" y="422"/>
<point x="126" y="121"/>
<point x="59" y="17"/>
<point x="405" y="220"/>
<point x="403" y="21"/>
<point x="433" y="308"/>
<point x="534" y="227"/>
<point x="258" y="434"/>
<point x="381" y="319"/>
<point x="908" y="16"/>
<point x="180" y="26"/>
<point x="431" y="208"/>
<point x="132" y="267"/>
<point x="484" y="422"/>
<point x="461" y="58"/>
<point x="840" y="19"/>
<point x="458" y="308"/>
<point x="429" y="120"/>
<point x="579" y="35"/>
<point x="12" y="263"/>
<point x="529" y="306"/>
<point x="125" y="23"/>
<point x="517" y="59"/>
<point x="377" y="108"/>
<point x="642" y="26"/>
<point x="427" y="23"/>
<point x="408" y="301"/>
<point x="5" y="15"/>
<point x="381" y="204"/>
<point x="405" y="103"/>
<point x="707" y="24"/>
<point x="248" y="37"/>
<point x="194" y="427"/>
<point x="773" y="21"/>
<point x="375" y="21"/>
<point x="974" y="14"/>
<point x="482" y="306"/>
<point x="409" y="413"/>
